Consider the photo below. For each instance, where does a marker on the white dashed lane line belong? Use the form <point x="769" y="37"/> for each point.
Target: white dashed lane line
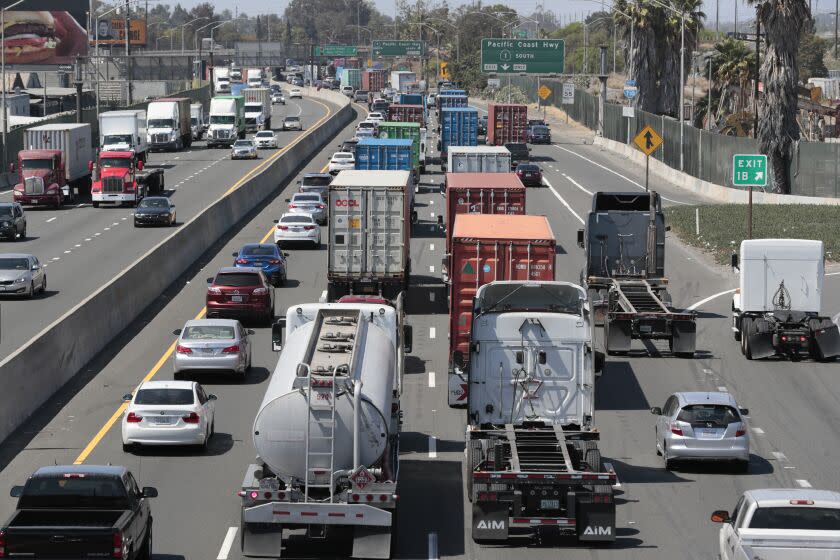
<point x="51" y="219"/>
<point x="801" y="482"/>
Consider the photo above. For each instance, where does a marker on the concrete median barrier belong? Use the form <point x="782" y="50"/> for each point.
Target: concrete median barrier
<point x="39" y="368"/>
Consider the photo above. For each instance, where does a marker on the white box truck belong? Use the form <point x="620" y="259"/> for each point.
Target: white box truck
<point x="255" y="77"/>
<point x="478" y="159"/>
<point x="221" y="77"/>
<point x="257" y="108"/>
<point x="400" y="80"/>
<point x="168" y="124"/>
<point x="122" y="131"/>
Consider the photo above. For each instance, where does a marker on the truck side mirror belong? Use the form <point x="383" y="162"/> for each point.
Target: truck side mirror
<point x="408" y="339"/>
<point x="277" y="334"/>
<point x="720" y="516"/>
<point x="440" y="221"/>
<point x="580" y="238"/>
<point x="16" y="491"/>
<point x="177" y="332"/>
<point x="734" y="260"/>
<point x="600" y="361"/>
<point x="90" y="166"/>
<point x="12" y="168"/>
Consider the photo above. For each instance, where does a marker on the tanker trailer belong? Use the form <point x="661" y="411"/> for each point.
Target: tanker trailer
<point x="327" y="430"/>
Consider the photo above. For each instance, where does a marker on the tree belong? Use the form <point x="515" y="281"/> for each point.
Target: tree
<point x="811" y="52"/>
<point x="643" y="60"/>
<point x="733" y="66"/>
<point x="783" y="22"/>
<point x="670" y="55"/>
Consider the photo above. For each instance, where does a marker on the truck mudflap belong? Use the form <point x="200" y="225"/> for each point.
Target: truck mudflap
<point x="761" y="345"/>
<point x="618" y="335"/>
<point x="595" y="515"/>
<point x="458" y="387"/>
<point x="288" y="513"/>
<point x="826" y="341"/>
<point x="683" y="337"/>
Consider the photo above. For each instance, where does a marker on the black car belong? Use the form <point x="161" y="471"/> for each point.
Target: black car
<point x="538" y="134"/>
<point x="154" y="211"/>
<point x="12" y="221"/>
<point x="535" y="122"/>
<point x="349" y="145"/>
<point x="519" y="153"/>
<point x="482" y="125"/>
<point x="530" y="174"/>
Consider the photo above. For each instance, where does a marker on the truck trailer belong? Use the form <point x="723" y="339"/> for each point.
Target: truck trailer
<point x="478" y="159"/>
<point x="506" y="124"/>
<point x="257" y="108"/>
<point x="123" y="131"/>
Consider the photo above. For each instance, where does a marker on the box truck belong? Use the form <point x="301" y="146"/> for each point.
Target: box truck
<point x="257" y="109"/>
<point x="122" y="131"/>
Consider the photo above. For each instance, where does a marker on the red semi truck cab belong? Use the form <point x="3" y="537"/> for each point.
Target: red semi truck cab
<point x="41" y="179"/>
<point x="119" y="180"/>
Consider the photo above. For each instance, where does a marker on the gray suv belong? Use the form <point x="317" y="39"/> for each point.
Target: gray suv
<point x="12" y="221"/>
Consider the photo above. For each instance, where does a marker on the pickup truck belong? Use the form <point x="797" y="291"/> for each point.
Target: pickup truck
<point x="781" y="524"/>
<point x="79" y="511"/>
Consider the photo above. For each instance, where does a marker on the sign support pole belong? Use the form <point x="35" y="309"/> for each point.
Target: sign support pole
<point x="749" y="215"/>
<point x="647" y="171"/>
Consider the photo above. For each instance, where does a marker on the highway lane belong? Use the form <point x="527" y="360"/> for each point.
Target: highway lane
<point x="84" y="247"/>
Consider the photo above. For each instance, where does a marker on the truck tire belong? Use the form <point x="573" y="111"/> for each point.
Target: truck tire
<point x="746" y="324"/>
<point x="749" y="328"/>
<point x="592" y="457"/>
<point x="472" y="460"/>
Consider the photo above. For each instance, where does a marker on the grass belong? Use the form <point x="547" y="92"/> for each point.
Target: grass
<point x="724" y="226"/>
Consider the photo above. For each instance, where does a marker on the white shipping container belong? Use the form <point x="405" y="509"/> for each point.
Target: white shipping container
<point x="73" y="139"/>
<point x="123" y="130"/>
<point x="401" y="79"/>
<point x="478" y="159"/>
<point x="767" y="263"/>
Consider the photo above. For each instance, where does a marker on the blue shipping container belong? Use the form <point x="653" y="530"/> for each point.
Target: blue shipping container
<point x="412" y="99"/>
<point x="453" y="92"/>
<point x="459" y="127"/>
<point x="379" y="154"/>
<point x="236" y="89"/>
<point x="453" y="101"/>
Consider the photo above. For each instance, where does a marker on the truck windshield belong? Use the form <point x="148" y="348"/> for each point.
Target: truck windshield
<point x="797" y="518"/>
<point x="106" y="162"/>
<point x="117" y="139"/>
<point x="529" y="297"/>
<point x="161" y="123"/>
<point x="194" y="121"/>
<point x="222" y="119"/>
<point x="74" y="492"/>
<point x="36" y="164"/>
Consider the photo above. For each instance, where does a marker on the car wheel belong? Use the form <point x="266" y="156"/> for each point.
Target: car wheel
<point x="174" y="219"/>
<point x="23" y="233"/>
<point x="656" y="444"/>
<point x="146" y="550"/>
<point x="31" y="293"/>
<point x="44" y="285"/>
<point x="95" y="204"/>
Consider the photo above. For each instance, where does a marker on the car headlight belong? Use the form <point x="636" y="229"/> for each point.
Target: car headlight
<point x="6" y="224"/>
<point x="21" y="280"/>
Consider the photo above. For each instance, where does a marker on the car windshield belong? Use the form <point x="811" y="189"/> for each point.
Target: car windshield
<point x="208" y="332"/>
<point x="118" y="139"/>
<point x="222" y="119"/>
<point x="154" y="203"/>
<point x="265" y="134"/>
<point x="108" y="162"/>
<point x="160" y="123"/>
<point x="258" y="250"/>
<point x="367" y="124"/>
<point x="539" y="129"/>
<point x="296" y="220"/>
<point x="307" y="198"/>
<point x="342" y="156"/>
<point x="796" y="518"/>
<point x="237" y="279"/>
<point x="71" y="491"/>
<point x="36" y="164"/>
<point x="14" y="264"/>
<point x="292" y="119"/>
<point x="716" y="414"/>
<point x="164" y="396"/>
<point x="532" y="296"/>
<point x="5" y="211"/>
<point x="316" y="181"/>
<point x="529" y="168"/>
<point x="243" y="144"/>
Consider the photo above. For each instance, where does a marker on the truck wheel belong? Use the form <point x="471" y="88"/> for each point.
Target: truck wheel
<point x="744" y="334"/>
<point x="95" y="204"/>
<point x="593" y="459"/>
<point x="145" y="552"/>
<point x="749" y="328"/>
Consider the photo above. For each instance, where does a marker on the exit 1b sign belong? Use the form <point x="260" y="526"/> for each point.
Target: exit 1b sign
<point x="749" y="170"/>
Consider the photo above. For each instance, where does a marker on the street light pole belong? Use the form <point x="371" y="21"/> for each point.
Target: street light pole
<point x="183" y="27"/>
<point x="3" y="74"/>
<point x="682" y="89"/>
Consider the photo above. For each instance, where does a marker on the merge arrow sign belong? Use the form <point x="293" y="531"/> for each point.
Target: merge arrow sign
<point x="647" y="140"/>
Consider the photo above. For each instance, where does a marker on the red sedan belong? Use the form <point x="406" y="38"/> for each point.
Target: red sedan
<point x="240" y="293"/>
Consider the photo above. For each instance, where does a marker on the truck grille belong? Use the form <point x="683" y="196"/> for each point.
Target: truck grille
<point x="221" y="134"/>
<point x="112" y="184"/>
<point x="160" y="138"/>
<point x="33" y="185"/>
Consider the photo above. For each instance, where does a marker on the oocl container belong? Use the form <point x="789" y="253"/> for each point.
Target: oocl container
<point x="506" y="124"/>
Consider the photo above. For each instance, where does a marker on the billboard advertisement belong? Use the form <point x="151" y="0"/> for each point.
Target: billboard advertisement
<point x="48" y="32"/>
<point x="112" y="32"/>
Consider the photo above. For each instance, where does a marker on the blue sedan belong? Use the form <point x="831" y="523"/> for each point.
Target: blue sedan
<point x="266" y="256"/>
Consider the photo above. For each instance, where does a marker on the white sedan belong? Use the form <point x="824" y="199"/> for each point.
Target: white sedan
<point x="266" y="139"/>
<point x="295" y="93"/>
<point x="168" y="413"/>
<point x="375" y="117"/>
<point x="341" y="161"/>
<point x="297" y="228"/>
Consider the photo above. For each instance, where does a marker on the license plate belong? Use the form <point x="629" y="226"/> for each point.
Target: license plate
<point x="549" y="504"/>
<point x="237" y="299"/>
<point x="645" y="328"/>
<point x="297" y="229"/>
<point x="208" y="351"/>
<point x="34" y="202"/>
<point x="706" y="434"/>
<point x="163" y="420"/>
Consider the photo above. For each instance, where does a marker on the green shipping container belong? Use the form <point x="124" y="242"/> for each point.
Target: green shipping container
<point x="404" y="131"/>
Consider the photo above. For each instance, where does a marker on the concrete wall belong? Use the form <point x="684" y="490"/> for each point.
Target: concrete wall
<point x="38" y="369"/>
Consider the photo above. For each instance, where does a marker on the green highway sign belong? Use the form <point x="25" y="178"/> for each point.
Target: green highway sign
<point x="749" y="170"/>
<point x="523" y="56"/>
<point x="398" y="48"/>
<point x="522" y="34"/>
<point x="335" y="50"/>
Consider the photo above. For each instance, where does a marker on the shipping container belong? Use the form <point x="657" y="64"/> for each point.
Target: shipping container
<point x="488" y="248"/>
<point x="374" y="80"/>
<point x="369" y="233"/>
<point x="482" y="193"/>
<point x="442" y="101"/>
<point x="71" y="139"/>
<point x="411" y="99"/>
<point x="377" y="154"/>
<point x="506" y="124"/>
<point x="403" y="131"/>
<point x="237" y="89"/>
<point x="478" y="159"/>
<point x="406" y="113"/>
<point x="400" y="80"/>
<point x="351" y="77"/>
<point x="458" y="127"/>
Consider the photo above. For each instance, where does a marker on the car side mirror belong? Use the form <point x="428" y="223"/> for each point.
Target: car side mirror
<point x="580" y="238"/>
<point x="251" y="332"/>
<point x="408" y="339"/>
<point x="177" y="332"/>
<point x="277" y="334"/>
<point x="234" y="254"/>
<point x="720" y="516"/>
<point x="172" y="206"/>
<point x="667" y="228"/>
<point x="140" y="165"/>
<point x="600" y="361"/>
<point x="36" y="267"/>
<point x="734" y="260"/>
<point x="288" y="200"/>
<point x="16" y="491"/>
<point x="127" y="397"/>
<point x="150" y="492"/>
<point x="212" y="397"/>
<point x="300" y="182"/>
<point x="210" y="280"/>
<point x="286" y="255"/>
<point x="276" y="221"/>
<point x="744" y="411"/>
<point x="656" y="411"/>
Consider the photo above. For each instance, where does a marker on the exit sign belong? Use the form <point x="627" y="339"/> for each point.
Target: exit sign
<point x="749" y="170"/>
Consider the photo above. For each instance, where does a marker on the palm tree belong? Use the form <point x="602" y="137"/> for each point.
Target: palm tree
<point x="733" y="65"/>
<point x="670" y="50"/>
<point x="783" y="22"/>
<point x="642" y="61"/>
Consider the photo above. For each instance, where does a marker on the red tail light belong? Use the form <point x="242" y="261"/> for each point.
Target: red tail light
<point x="231" y="349"/>
<point x="241" y="261"/>
<point x="2" y="544"/>
<point x="676" y="430"/>
<point x="274" y="261"/>
<point x="740" y="432"/>
<point x="133" y="418"/>
<point x="282" y="228"/>
<point x="191" y="418"/>
<point x="212" y="290"/>
<point x="320" y="206"/>
<point x="260" y="291"/>
<point x="183" y="349"/>
<point x="308" y="228"/>
<point x="118" y="545"/>
<point x="292" y="205"/>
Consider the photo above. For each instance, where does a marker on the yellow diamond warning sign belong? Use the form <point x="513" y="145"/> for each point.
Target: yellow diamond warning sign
<point x="544" y="92"/>
<point x="647" y="140"/>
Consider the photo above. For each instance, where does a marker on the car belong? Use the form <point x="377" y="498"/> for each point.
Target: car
<point x="375" y="117"/>
<point x="530" y="174"/>
<point x="705" y="426"/>
<point x="482" y="125"/>
<point x="295" y="93"/>
<point x="243" y="149"/>
<point x="536" y="122"/>
<point x="309" y="203"/>
<point x="266" y="139"/>
<point x="277" y="98"/>
<point x="341" y="161"/>
<point x="266" y="256"/>
<point x="538" y="134"/>
<point x="430" y="99"/>
<point x="155" y="211"/>
<point x="295" y="228"/>
<point x="318" y="183"/>
<point x="367" y="125"/>
<point x="297" y="82"/>
<point x="380" y="106"/>
<point x="349" y="145"/>
<point x="347" y="90"/>
<point x="360" y="95"/>
<point x="519" y="153"/>
<point x="240" y="292"/>
<point x="168" y="413"/>
<point x="365" y="133"/>
<point x="212" y="345"/>
<point x="12" y="221"/>
<point x="292" y="123"/>
<point x="21" y="274"/>
<point x="274" y="88"/>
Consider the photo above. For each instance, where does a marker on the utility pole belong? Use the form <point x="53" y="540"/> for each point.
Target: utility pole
<point x="836" y="10"/>
<point x="78" y="84"/>
<point x="757" y="67"/>
<point x="128" y="49"/>
<point x="602" y="101"/>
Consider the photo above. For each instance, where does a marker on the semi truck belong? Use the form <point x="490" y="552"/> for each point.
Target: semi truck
<point x="168" y="124"/>
<point x="506" y="124"/>
<point x="255" y="77"/>
<point x="489" y="248"/>
<point x="478" y="159"/>
<point x="407" y="131"/>
<point x="351" y="77"/>
<point x="124" y="131"/>
<point x="369" y="233"/>
<point x="227" y="120"/>
<point x="624" y="272"/>
<point x="458" y="127"/>
<point x="533" y="465"/>
<point x="374" y="79"/>
<point x="54" y="166"/>
<point x="222" y="78"/>
<point x="257" y="108"/>
<point x="776" y="309"/>
<point x="327" y="431"/>
<point x="118" y="178"/>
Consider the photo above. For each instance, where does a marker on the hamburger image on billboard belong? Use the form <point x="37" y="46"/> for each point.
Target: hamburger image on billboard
<point x="43" y="37"/>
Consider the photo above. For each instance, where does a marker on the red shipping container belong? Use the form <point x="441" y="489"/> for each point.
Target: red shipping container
<point x="482" y="193"/>
<point x="374" y="80"/>
<point x="488" y="248"/>
<point x="506" y="124"/>
<point x="406" y="113"/>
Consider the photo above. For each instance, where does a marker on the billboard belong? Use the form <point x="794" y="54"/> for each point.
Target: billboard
<point x="49" y="32"/>
<point x="112" y="32"/>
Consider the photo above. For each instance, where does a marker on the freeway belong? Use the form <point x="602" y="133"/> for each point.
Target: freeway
<point x="84" y="247"/>
<point x="660" y="514"/>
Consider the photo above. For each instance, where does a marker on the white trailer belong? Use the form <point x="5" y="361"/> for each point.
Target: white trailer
<point x="327" y="431"/>
<point x="222" y="79"/>
<point x="478" y="159"/>
<point x="257" y="108"/>
<point x="72" y="139"/>
<point x="122" y="131"/>
<point x="777" y="307"/>
<point x="255" y="77"/>
<point x="401" y="80"/>
<point x="198" y="122"/>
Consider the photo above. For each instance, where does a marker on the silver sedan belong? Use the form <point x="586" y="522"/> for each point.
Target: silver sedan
<point x="700" y="426"/>
<point x="243" y="149"/>
<point x="213" y="345"/>
<point x="21" y="274"/>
